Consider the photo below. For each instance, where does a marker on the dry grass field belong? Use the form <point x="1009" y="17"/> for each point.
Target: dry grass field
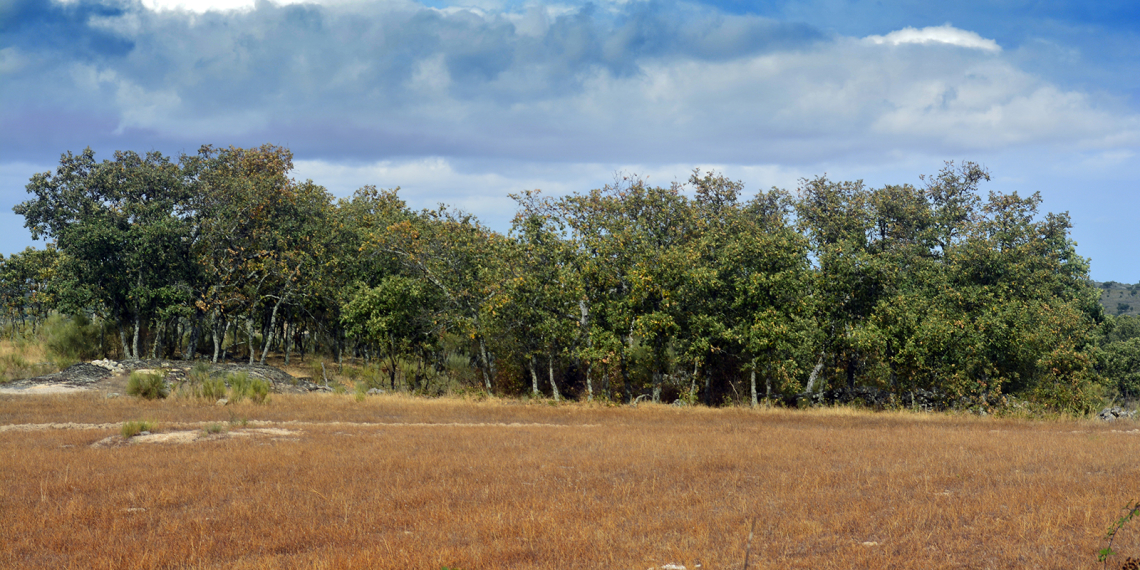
<point x="394" y="482"/>
<point x="22" y="360"/>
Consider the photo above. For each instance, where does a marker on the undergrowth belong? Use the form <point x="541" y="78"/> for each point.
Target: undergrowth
<point x="135" y="427"/>
<point x="147" y="385"/>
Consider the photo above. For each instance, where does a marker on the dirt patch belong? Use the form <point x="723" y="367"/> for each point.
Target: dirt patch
<point x="193" y="436"/>
<point x="111" y="377"/>
<point x="37" y="389"/>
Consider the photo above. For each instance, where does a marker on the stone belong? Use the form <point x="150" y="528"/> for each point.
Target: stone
<point x="1114" y="413"/>
<point x="222" y="402"/>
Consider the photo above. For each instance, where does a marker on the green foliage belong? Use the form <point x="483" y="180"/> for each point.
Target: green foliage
<point x="214" y="428"/>
<point x="1122" y="366"/>
<point x="242" y="386"/>
<point x="31" y="285"/>
<point x="1131" y="510"/>
<point x="135" y="427"/>
<point x="72" y="339"/>
<point x="199" y="384"/>
<point x="399" y="316"/>
<point x="147" y="385"/>
<point x="694" y="291"/>
<point x="212" y="389"/>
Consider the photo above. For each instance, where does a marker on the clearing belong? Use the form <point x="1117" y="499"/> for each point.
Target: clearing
<point x="333" y="481"/>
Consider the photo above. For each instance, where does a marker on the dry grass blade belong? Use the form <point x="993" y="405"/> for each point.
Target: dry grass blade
<point x="394" y="482"/>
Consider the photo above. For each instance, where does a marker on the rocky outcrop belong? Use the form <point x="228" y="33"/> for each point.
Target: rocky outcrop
<point x="1114" y="413"/>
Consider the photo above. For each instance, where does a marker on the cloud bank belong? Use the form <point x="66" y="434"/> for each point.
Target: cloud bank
<point x="639" y="81"/>
<point x="474" y="103"/>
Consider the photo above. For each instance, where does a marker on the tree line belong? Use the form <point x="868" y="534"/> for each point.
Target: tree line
<point x="694" y="292"/>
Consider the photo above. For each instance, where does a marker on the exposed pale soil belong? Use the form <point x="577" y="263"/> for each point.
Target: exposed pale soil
<point x="88" y="376"/>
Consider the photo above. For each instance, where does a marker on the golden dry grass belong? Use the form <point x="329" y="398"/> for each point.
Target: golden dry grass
<point x="396" y="482"/>
<point x="22" y="360"/>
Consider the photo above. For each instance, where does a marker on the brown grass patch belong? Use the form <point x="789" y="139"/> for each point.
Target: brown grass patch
<point x="23" y="360"/>
<point x="509" y="485"/>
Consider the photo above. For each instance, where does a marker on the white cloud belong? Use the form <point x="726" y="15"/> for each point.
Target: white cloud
<point x="482" y="188"/>
<point x="393" y="79"/>
<point x="944" y="34"/>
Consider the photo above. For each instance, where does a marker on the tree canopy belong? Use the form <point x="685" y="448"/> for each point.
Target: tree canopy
<point x="692" y="292"/>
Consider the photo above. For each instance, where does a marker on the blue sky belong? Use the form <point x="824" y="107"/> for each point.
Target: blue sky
<point x="465" y="102"/>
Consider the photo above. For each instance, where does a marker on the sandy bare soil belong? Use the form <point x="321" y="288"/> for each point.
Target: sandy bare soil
<point x="113" y="380"/>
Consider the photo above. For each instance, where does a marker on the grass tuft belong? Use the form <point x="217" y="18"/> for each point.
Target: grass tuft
<point x="147" y="385"/>
<point x="242" y="386"/>
<point x="135" y="427"/>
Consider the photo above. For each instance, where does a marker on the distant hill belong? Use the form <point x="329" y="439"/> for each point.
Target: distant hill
<point x="1119" y="298"/>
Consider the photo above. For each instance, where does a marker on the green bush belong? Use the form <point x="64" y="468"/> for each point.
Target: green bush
<point x="1122" y="360"/>
<point x="212" y="389"/>
<point x="147" y="385"/>
<point x="133" y="428"/>
<point x="72" y="339"/>
<point x="242" y="386"/>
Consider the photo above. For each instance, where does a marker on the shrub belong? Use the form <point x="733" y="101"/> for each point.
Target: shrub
<point x="147" y="385"/>
<point x="259" y="391"/>
<point x="212" y="389"/>
<point x="214" y="428"/>
<point x="72" y="339"/>
<point x="133" y="428"/>
<point x="242" y="386"/>
<point x="199" y="384"/>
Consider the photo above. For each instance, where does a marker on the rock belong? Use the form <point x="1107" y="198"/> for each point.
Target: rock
<point x="374" y="391"/>
<point x="110" y="366"/>
<point x="222" y="402"/>
<point x="1114" y="413"/>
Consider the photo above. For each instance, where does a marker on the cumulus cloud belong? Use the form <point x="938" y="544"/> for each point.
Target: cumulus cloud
<point x="660" y="82"/>
<point x="945" y="34"/>
<point x="481" y="187"/>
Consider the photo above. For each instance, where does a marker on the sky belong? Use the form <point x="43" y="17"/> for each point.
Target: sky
<point x="464" y="102"/>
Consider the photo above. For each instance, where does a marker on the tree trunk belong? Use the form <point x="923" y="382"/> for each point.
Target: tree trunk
<point x="488" y="367"/>
<point x="553" y="386"/>
<point x="533" y="378"/>
<point x="135" y="342"/>
<point x="693" y="382"/>
<point x="214" y="337"/>
<point x="158" y="329"/>
<point x="123" y="342"/>
<point x="225" y="332"/>
<point x="814" y="375"/>
<point x="589" y="383"/>
<point x="392" y="364"/>
<point x="287" y="336"/>
<point x="768" y="383"/>
<point x="755" y="401"/>
<point x="195" y="332"/>
<point x="606" y="384"/>
<point x="272" y="327"/>
<point x="708" y="389"/>
<point x="657" y="386"/>
<point x="249" y="338"/>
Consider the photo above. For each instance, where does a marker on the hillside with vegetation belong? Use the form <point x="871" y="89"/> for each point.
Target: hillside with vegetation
<point x="696" y="292"/>
<point x="1119" y="298"/>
